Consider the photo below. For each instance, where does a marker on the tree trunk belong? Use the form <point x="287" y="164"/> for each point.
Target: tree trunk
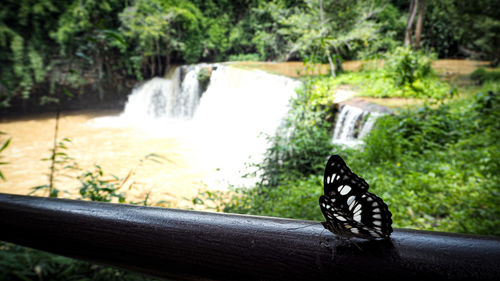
<point x="332" y="67"/>
<point x="420" y="23"/>
<point x="167" y="58"/>
<point x="152" y="65"/>
<point x="338" y="64"/>
<point x="413" y="11"/>
<point x="100" y="75"/>
<point x="158" y="58"/>
<point x="323" y="22"/>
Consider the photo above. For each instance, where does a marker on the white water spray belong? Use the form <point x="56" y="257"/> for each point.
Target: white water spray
<point x="166" y="98"/>
<point x="225" y="127"/>
<point x="353" y="124"/>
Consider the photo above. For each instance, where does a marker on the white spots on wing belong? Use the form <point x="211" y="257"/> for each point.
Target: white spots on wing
<point x="377" y="216"/>
<point x="340" y="218"/>
<point x="350" y="200"/>
<point x="354" y="230"/>
<point x="357" y="217"/>
<point x="373" y="233"/>
<point x="374" y="204"/>
<point x="328" y="179"/>
<point x="332" y="178"/>
<point x="344" y="189"/>
<point x="369" y="199"/>
<point x="328" y="206"/>
<point x="377" y="223"/>
<point x="357" y="209"/>
<point x="333" y="200"/>
<point x="376" y="210"/>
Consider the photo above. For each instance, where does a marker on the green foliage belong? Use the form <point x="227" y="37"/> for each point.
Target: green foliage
<point x="204" y="78"/>
<point x="338" y="29"/>
<point x="60" y="165"/>
<point x="2" y="148"/>
<point x="436" y="168"/>
<point x="405" y="66"/>
<point x="290" y="199"/>
<point x="95" y="188"/>
<point x="65" y="45"/>
<point x="441" y="33"/>
<point x="409" y="73"/>
<point x="244" y="57"/>
<point x="406" y="73"/>
<point x="482" y="75"/>
<point x="302" y="143"/>
<point x="158" y="28"/>
<point x="445" y="155"/>
<point x="24" y="46"/>
<point x="21" y="263"/>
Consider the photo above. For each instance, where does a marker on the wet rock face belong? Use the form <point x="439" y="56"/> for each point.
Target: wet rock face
<point x="367" y="106"/>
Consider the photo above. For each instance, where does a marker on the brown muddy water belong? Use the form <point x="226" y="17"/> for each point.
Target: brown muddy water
<point x="177" y="177"/>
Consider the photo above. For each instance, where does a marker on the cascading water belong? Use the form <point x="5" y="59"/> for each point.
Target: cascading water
<point x="353" y="124"/>
<point x="238" y="106"/>
<point x="222" y="128"/>
<point x="169" y="98"/>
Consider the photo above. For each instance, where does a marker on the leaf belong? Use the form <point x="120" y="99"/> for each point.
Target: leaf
<point x="68" y="93"/>
<point x="115" y="35"/>
<point x="5" y="144"/>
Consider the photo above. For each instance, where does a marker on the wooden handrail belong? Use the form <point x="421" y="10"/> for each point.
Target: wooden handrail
<point x="192" y="245"/>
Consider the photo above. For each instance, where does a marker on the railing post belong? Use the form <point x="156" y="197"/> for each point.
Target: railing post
<point x="202" y="245"/>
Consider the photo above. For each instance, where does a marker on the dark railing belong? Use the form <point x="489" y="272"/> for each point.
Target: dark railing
<point x="191" y="245"/>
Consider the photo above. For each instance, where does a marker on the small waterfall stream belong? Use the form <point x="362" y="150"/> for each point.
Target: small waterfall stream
<point x="352" y="125"/>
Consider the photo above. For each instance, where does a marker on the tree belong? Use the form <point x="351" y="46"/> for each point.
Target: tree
<point x="333" y="29"/>
<point x="89" y="41"/>
<point x="416" y="9"/>
<point x="26" y="50"/>
<point x="159" y="29"/>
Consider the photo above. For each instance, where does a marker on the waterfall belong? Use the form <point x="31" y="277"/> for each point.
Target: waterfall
<point x="224" y="127"/>
<point x="238" y="109"/>
<point x="174" y="97"/>
<point x="352" y="125"/>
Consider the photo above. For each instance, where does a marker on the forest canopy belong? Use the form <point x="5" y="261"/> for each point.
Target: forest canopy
<point x="49" y="48"/>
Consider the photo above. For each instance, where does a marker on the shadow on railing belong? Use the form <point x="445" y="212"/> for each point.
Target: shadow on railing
<point x="190" y="245"/>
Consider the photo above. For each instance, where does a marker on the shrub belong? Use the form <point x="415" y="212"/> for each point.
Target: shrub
<point x="482" y="75"/>
<point x="300" y="146"/>
<point x="244" y="57"/>
<point x="405" y="66"/>
<point x="436" y="168"/>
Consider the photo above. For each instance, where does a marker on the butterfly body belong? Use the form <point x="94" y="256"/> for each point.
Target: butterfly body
<point x="350" y="210"/>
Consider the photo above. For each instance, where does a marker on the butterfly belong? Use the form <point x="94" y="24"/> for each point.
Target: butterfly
<point x="350" y="210"/>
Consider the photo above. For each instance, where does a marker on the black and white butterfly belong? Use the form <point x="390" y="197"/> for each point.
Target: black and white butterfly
<point x="350" y="210"/>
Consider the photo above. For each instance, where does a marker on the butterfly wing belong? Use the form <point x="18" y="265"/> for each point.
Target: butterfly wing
<point x="339" y="178"/>
<point x="375" y="215"/>
<point x="366" y="216"/>
<point x="350" y="210"/>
